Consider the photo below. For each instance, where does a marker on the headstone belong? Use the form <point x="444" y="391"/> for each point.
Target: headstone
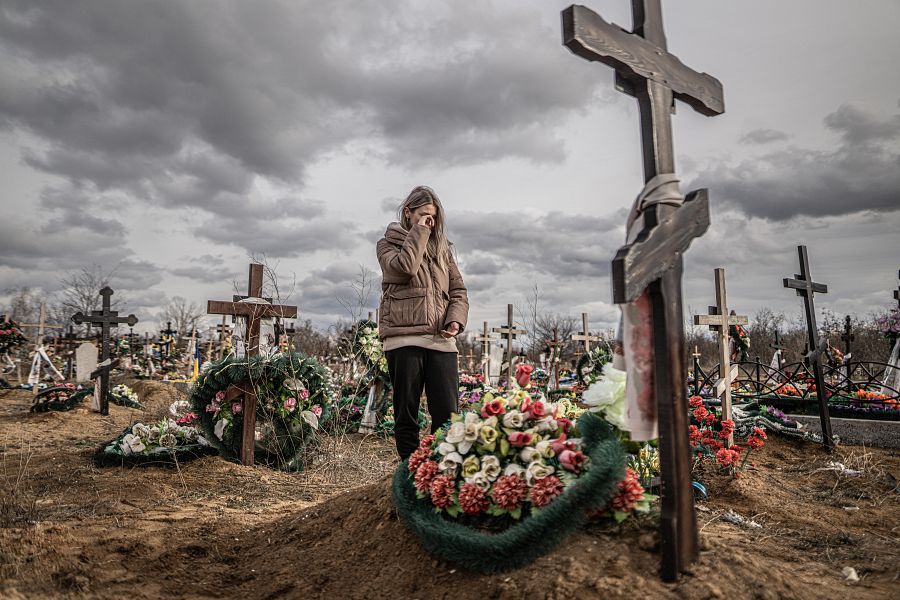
<point x="85" y="361"/>
<point x="510" y="332"/>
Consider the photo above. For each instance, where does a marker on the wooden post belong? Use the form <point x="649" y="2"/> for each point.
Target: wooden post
<point x="805" y="288"/>
<point x="897" y="292"/>
<point x="652" y="263"/>
<point x="510" y="332"/>
<point x="696" y="364"/>
<point x="486" y="340"/>
<point x="254" y="308"/>
<point x="555" y="346"/>
<point x="585" y="335"/>
<point x="847" y="336"/>
<point x="719" y="320"/>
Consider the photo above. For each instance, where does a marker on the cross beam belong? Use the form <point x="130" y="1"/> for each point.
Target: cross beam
<point x="486" y="340"/>
<point x="510" y="332"/>
<point x="652" y="263"/>
<point x="585" y="335"/>
<point x="104" y="319"/>
<point x="806" y="288"/>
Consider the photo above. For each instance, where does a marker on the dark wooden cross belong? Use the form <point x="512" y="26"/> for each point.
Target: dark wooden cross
<point x="897" y="292"/>
<point x="510" y="332"/>
<point x="806" y="288"/>
<point x="555" y="344"/>
<point x="653" y="262"/>
<point x="104" y="319"/>
<point x="486" y="340"/>
<point x="778" y="350"/>
<point x="166" y="341"/>
<point x="719" y="320"/>
<point x="254" y="308"/>
<point x="847" y="336"/>
<point x="585" y="335"/>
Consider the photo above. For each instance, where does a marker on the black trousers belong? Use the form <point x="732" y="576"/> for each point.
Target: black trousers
<point x="412" y="369"/>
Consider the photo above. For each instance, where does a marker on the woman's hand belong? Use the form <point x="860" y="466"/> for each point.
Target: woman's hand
<point x="427" y="221"/>
<point x="451" y="331"/>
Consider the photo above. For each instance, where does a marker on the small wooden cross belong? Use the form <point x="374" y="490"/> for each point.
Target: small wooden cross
<point x="653" y="262"/>
<point x="510" y="332"/>
<point x="719" y="320"/>
<point x="254" y="308"/>
<point x="104" y="319"/>
<point x="778" y="350"/>
<point x="486" y="340"/>
<point x="806" y="288"/>
<point x="585" y="335"/>
<point x="897" y="292"/>
<point x="847" y="336"/>
<point x="555" y="345"/>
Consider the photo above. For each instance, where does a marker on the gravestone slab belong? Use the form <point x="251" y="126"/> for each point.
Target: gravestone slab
<point x="85" y="361"/>
<point x="857" y="432"/>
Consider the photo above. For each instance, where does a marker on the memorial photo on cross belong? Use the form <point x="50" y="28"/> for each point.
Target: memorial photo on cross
<point x="424" y="299"/>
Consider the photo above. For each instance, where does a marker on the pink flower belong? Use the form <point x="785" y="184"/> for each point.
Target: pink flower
<point x="572" y="460"/>
<point x="304" y="394"/>
<point x="537" y="410"/>
<point x="560" y="444"/>
<point x="236" y="407"/>
<point x="213" y="407"/>
<point x="519" y="439"/>
<point x="425" y="474"/>
<point x="523" y="375"/>
<point x="472" y="499"/>
<point x="220" y="395"/>
<point x="565" y="424"/>
<point x="317" y="410"/>
<point x="188" y="419"/>
<point x="509" y="491"/>
<point x="290" y="404"/>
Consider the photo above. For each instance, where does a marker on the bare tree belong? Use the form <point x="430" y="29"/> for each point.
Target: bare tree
<point x="81" y="291"/>
<point x="361" y="292"/>
<point x="184" y="314"/>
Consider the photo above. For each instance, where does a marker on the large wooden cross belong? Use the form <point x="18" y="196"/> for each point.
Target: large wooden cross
<point x="104" y="319"/>
<point x="555" y="344"/>
<point x="585" y="335"/>
<point x="806" y="288"/>
<point x="486" y="340"/>
<point x="719" y="320"/>
<point x="653" y="262"/>
<point x="254" y="308"/>
<point x="510" y="332"/>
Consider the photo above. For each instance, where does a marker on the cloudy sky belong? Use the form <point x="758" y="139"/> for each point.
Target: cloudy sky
<point x="169" y="139"/>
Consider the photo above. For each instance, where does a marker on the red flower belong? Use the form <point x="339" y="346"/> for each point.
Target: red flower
<point x="710" y="419"/>
<point x="472" y="499"/>
<point x="442" y="488"/>
<point x="537" y="410"/>
<point x="700" y="413"/>
<point x="519" y="439"/>
<point x="755" y="442"/>
<point x="421" y="454"/>
<point x="565" y="424"/>
<point x="760" y="432"/>
<point x="728" y="425"/>
<point x="695" y="401"/>
<point x="427" y="441"/>
<point x="494" y="408"/>
<point x="630" y="493"/>
<point x="509" y="491"/>
<point x="425" y="474"/>
<point x="695" y="433"/>
<point x="572" y="460"/>
<point x="523" y="375"/>
<point x="727" y="457"/>
<point x="560" y="444"/>
<point x="545" y="490"/>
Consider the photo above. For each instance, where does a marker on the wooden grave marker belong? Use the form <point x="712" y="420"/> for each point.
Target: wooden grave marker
<point x="510" y="332"/>
<point x="486" y="339"/>
<point x="254" y="308"/>
<point x="719" y="320"/>
<point x="585" y="335"/>
<point x="104" y="319"/>
<point x="778" y="358"/>
<point x="897" y="292"/>
<point x="806" y="288"/>
<point x="847" y="336"/>
<point x="652" y="262"/>
<point x="555" y="345"/>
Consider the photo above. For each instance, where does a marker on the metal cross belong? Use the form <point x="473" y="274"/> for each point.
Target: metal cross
<point x="104" y="319"/>
<point x="646" y="70"/>
<point x="510" y="332"/>
<point x="806" y="288"/>
<point x="847" y="336"/>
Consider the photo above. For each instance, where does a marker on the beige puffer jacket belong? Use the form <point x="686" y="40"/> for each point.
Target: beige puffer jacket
<point x="418" y="297"/>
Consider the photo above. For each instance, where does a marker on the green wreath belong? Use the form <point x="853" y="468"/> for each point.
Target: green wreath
<point x="110" y="454"/>
<point x="533" y="537"/>
<point x="288" y="430"/>
<point x="590" y="365"/>
<point x="55" y="399"/>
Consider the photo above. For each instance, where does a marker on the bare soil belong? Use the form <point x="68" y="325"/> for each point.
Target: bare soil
<point x="213" y="529"/>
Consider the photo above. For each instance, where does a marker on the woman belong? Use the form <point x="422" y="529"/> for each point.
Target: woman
<point x="424" y="306"/>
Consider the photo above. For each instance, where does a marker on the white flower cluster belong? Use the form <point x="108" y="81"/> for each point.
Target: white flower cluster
<point x="125" y="392"/>
<point x="159" y="437"/>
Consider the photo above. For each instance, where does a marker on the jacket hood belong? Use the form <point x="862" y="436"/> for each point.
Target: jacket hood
<point x="396" y="233"/>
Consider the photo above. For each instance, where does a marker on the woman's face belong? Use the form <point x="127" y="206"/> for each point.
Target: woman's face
<point x="415" y="215"/>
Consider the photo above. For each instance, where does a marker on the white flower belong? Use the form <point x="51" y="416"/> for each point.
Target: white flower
<point x="219" y="429"/>
<point x="607" y="396"/>
<point x="479" y="479"/>
<point x="530" y="454"/>
<point x="545" y="448"/>
<point x="179" y="408"/>
<point x="456" y="433"/>
<point x="490" y="422"/>
<point x="514" y="419"/>
<point x="450" y="464"/>
<point x="547" y="424"/>
<point x="125" y="444"/>
<point x="153" y="435"/>
<point x="537" y="470"/>
<point x="514" y="469"/>
<point x="168" y="441"/>
<point x="136" y="445"/>
<point x="490" y="466"/>
<point x="140" y="430"/>
<point x="446" y="448"/>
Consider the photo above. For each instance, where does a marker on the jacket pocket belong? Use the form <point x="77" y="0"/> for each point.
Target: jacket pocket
<point x="409" y="307"/>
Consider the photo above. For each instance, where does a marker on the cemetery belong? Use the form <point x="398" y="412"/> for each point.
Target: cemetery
<point x="603" y="443"/>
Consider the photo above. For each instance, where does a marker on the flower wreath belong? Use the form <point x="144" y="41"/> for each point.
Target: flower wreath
<point x="66" y="397"/>
<point x="503" y="484"/>
<point x="368" y="346"/>
<point x="295" y="397"/>
<point x="589" y="367"/>
<point x="10" y="335"/>
<point x="167" y="441"/>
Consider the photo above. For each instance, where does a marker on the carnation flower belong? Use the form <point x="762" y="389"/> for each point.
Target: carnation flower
<point x="473" y="499"/>
<point x="630" y="492"/>
<point x="509" y="491"/>
<point x="425" y="474"/>
<point x="427" y="441"/>
<point x="545" y="490"/>
<point x="694" y="433"/>
<point x="755" y="442"/>
<point x="700" y="413"/>
<point x="695" y="401"/>
<point x="418" y="457"/>
<point x="760" y="432"/>
<point x="727" y="457"/>
<point x="317" y="410"/>
<point x="727" y="425"/>
<point x="442" y="488"/>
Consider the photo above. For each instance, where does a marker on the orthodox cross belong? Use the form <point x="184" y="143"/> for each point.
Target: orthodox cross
<point x="254" y="308"/>
<point x="104" y="319"/>
<point x="585" y="335"/>
<point x="555" y="346"/>
<point x="805" y="287"/>
<point x="486" y="340"/>
<point x="68" y="346"/>
<point x="719" y="320"/>
<point x="778" y="350"/>
<point x="847" y="336"/>
<point x="646" y="70"/>
<point x="510" y="332"/>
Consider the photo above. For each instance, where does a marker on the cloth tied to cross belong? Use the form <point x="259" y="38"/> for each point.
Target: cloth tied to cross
<point x="635" y="325"/>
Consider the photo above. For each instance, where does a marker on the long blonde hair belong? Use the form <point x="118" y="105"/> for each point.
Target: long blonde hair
<point x="438" y="246"/>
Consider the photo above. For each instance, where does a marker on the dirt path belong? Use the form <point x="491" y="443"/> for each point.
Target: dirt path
<point x="210" y="528"/>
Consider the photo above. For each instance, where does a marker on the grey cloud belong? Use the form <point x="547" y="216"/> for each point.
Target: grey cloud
<point x="390" y="204"/>
<point x="764" y="136"/>
<point x="859" y="174"/>
<point x="283" y="238"/>
<point x="204" y="274"/>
